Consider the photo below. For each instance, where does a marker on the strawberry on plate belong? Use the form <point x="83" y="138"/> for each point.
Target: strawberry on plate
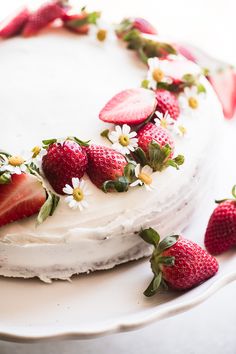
<point x="13" y="25"/>
<point x="63" y="162"/>
<point x="167" y="102"/>
<point x="23" y="196"/>
<point x="220" y="234"/>
<point x="177" y="262"/>
<point x="132" y="106"/>
<point x="106" y="165"/>
<point x="42" y="17"/>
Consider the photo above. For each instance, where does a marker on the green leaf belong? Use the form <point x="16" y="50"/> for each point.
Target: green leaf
<point x="78" y="141"/>
<point x="167" y="242"/>
<point x="150" y="236"/>
<point x="234" y="191"/>
<point x="129" y="172"/>
<point x="179" y="160"/>
<point x="48" y="207"/>
<point x="158" y="156"/>
<point x="167" y="261"/>
<point x="145" y="84"/>
<point x="48" y="142"/>
<point x="105" y="133"/>
<point x="4" y="154"/>
<point x="121" y="184"/>
<point x="5" y="178"/>
<point x="93" y="17"/>
<point x="201" y="88"/>
<point x="140" y="156"/>
<point x="189" y="78"/>
<point x="154" y="285"/>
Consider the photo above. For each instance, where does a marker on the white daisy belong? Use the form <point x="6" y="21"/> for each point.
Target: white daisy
<point x="157" y="72"/>
<point x="144" y="177"/>
<point x="14" y="165"/>
<point x="190" y="100"/>
<point x="101" y="31"/>
<point x="76" y="194"/>
<point x="37" y="154"/>
<point x="164" y="120"/>
<point x="123" y="139"/>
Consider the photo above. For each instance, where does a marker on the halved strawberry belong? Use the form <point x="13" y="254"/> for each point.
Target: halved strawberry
<point x="13" y="24"/>
<point x="20" y="198"/>
<point x="131" y="107"/>
<point x="144" y="26"/>
<point x="42" y="17"/>
<point x="224" y="83"/>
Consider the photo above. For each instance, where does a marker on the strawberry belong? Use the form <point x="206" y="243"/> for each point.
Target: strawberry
<point x="220" y="234"/>
<point x="23" y="196"/>
<point x="131" y="106"/>
<point x="177" y="262"/>
<point x="76" y="22"/>
<point x="13" y="25"/>
<point x="143" y="26"/>
<point x="183" y="50"/>
<point x="42" y="17"/>
<point x="150" y="132"/>
<point x="224" y="83"/>
<point x="167" y="102"/>
<point x="106" y="165"/>
<point x="62" y="162"/>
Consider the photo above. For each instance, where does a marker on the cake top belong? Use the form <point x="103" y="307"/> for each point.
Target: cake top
<point x="91" y="118"/>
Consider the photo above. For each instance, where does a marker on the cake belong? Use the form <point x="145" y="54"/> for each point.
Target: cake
<point x="54" y="85"/>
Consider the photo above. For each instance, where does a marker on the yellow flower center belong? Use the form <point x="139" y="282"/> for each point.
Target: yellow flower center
<point x="78" y="194"/>
<point x="193" y="102"/>
<point x="16" y="160"/>
<point x="36" y="150"/>
<point x="145" y="178"/>
<point x="124" y="140"/>
<point x="101" y="35"/>
<point x="158" y="75"/>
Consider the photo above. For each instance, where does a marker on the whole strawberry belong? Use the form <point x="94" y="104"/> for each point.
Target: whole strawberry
<point x="43" y="16"/>
<point x="13" y="25"/>
<point x="143" y="25"/>
<point x="62" y="162"/>
<point x="156" y="148"/>
<point x="106" y="168"/>
<point x="150" y="132"/>
<point x="167" y="102"/>
<point x="177" y="262"/>
<point x="220" y="234"/>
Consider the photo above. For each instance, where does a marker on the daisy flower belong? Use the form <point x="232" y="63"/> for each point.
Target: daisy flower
<point x="101" y="30"/>
<point x="144" y="177"/>
<point x="157" y="72"/>
<point x="76" y="194"/>
<point x="164" y="120"/>
<point x="14" y="165"/>
<point x="123" y="139"/>
<point x="190" y="100"/>
<point x="37" y="154"/>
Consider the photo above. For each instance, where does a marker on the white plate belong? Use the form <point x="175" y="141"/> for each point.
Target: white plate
<point x="112" y="301"/>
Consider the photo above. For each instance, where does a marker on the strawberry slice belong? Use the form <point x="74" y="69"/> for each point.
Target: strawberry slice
<point x="42" y="17"/>
<point x="144" y="26"/>
<point x="224" y="83"/>
<point x="13" y="24"/>
<point x="20" y="198"/>
<point x="131" y="106"/>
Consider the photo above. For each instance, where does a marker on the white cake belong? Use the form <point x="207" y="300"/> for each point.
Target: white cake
<point x="54" y="85"/>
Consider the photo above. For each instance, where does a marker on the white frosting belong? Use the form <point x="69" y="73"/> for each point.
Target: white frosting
<point x="54" y="85"/>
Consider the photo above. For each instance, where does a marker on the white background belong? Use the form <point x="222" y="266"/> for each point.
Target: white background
<point x="210" y="327"/>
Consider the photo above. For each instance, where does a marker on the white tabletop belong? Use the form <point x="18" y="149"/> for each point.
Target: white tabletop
<point x="210" y="327"/>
